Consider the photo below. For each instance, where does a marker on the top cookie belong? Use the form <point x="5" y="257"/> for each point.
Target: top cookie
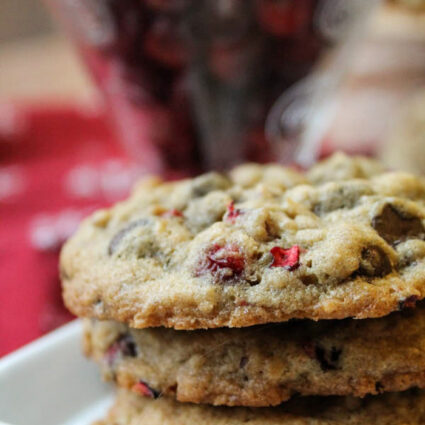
<point x="262" y="244"/>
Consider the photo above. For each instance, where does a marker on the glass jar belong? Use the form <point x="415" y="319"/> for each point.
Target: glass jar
<point x="190" y="83"/>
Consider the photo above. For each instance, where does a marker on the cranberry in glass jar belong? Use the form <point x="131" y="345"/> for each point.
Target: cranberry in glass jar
<point x="190" y="83"/>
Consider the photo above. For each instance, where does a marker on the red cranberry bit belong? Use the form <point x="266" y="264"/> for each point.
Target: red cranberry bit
<point x="226" y="260"/>
<point x="112" y="354"/>
<point x="257" y="143"/>
<point x="145" y="390"/>
<point x="225" y="63"/>
<point x="409" y="302"/>
<point x="284" y="17"/>
<point x="166" y="5"/>
<point x="163" y="44"/>
<point x="128" y="346"/>
<point x="232" y="212"/>
<point x="297" y="167"/>
<point x="123" y="346"/>
<point x="172" y="213"/>
<point x="286" y="258"/>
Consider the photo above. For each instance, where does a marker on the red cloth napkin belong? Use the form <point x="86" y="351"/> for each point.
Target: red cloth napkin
<point x="57" y="164"/>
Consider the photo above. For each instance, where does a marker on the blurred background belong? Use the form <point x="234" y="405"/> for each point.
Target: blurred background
<point x="33" y="55"/>
<point x="146" y="87"/>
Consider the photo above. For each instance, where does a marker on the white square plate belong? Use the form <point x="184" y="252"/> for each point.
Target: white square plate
<point x="49" y="382"/>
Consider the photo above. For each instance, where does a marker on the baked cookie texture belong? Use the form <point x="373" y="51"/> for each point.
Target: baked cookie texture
<point x="260" y="244"/>
<point x="389" y="409"/>
<point x="265" y="365"/>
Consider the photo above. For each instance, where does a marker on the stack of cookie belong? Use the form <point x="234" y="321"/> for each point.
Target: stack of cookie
<point x="192" y="288"/>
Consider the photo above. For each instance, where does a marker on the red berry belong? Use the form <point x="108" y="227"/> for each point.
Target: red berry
<point x="172" y="213"/>
<point x="163" y="44"/>
<point x="123" y="346"/>
<point x="232" y="212"/>
<point x="145" y="390"/>
<point x="112" y="353"/>
<point x="227" y="261"/>
<point x="284" y="17"/>
<point x="409" y="302"/>
<point x="229" y="62"/>
<point x="286" y="258"/>
<point x="166" y="5"/>
<point x="258" y="148"/>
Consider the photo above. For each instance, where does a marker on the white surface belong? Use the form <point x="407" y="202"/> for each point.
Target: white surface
<point x="49" y="382"/>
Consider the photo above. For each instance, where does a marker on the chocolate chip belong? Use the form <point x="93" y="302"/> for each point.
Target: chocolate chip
<point x="409" y="302"/>
<point x="395" y="226"/>
<point x="328" y="359"/>
<point x="323" y="207"/>
<point x="379" y="388"/>
<point x="127" y="345"/>
<point x="374" y="262"/>
<point x="243" y="362"/>
<point x="309" y="279"/>
<point x="344" y="195"/>
<point x="115" y="241"/>
<point x="206" y="183"/>
<point x="272" y="229"/>
<point x="123" y="346"/>
<point x="172" y="389"/>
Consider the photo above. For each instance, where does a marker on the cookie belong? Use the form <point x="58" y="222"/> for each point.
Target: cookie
<point x="342" y="167"/>
<point x="265" y="365"/>
<point x="256" y="246"/>
<point x="389" y="409"/>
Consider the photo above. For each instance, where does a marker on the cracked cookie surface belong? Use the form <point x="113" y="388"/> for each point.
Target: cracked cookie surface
<point x="261" y="244"/>
<point x="389" y="409"/>
<point x="265" y="365"/>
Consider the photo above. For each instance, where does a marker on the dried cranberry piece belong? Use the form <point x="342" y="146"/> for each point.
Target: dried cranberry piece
<point x="289" y="258"/>
<point x="409" y="302"/>
<point x="124" y="346"/>
<point x="172" y="213"/>
<point x="284" y="17"/>
<point x="226" y="60"/>
<point x="256" y="141"/>
<point x="166" y="5"/>
<point x="226" y="260"/>
<point x="145" y="390"/>
<point x="232" y="212"/>
<point x="112" y="354"/>
<point x="163" y="44"/>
